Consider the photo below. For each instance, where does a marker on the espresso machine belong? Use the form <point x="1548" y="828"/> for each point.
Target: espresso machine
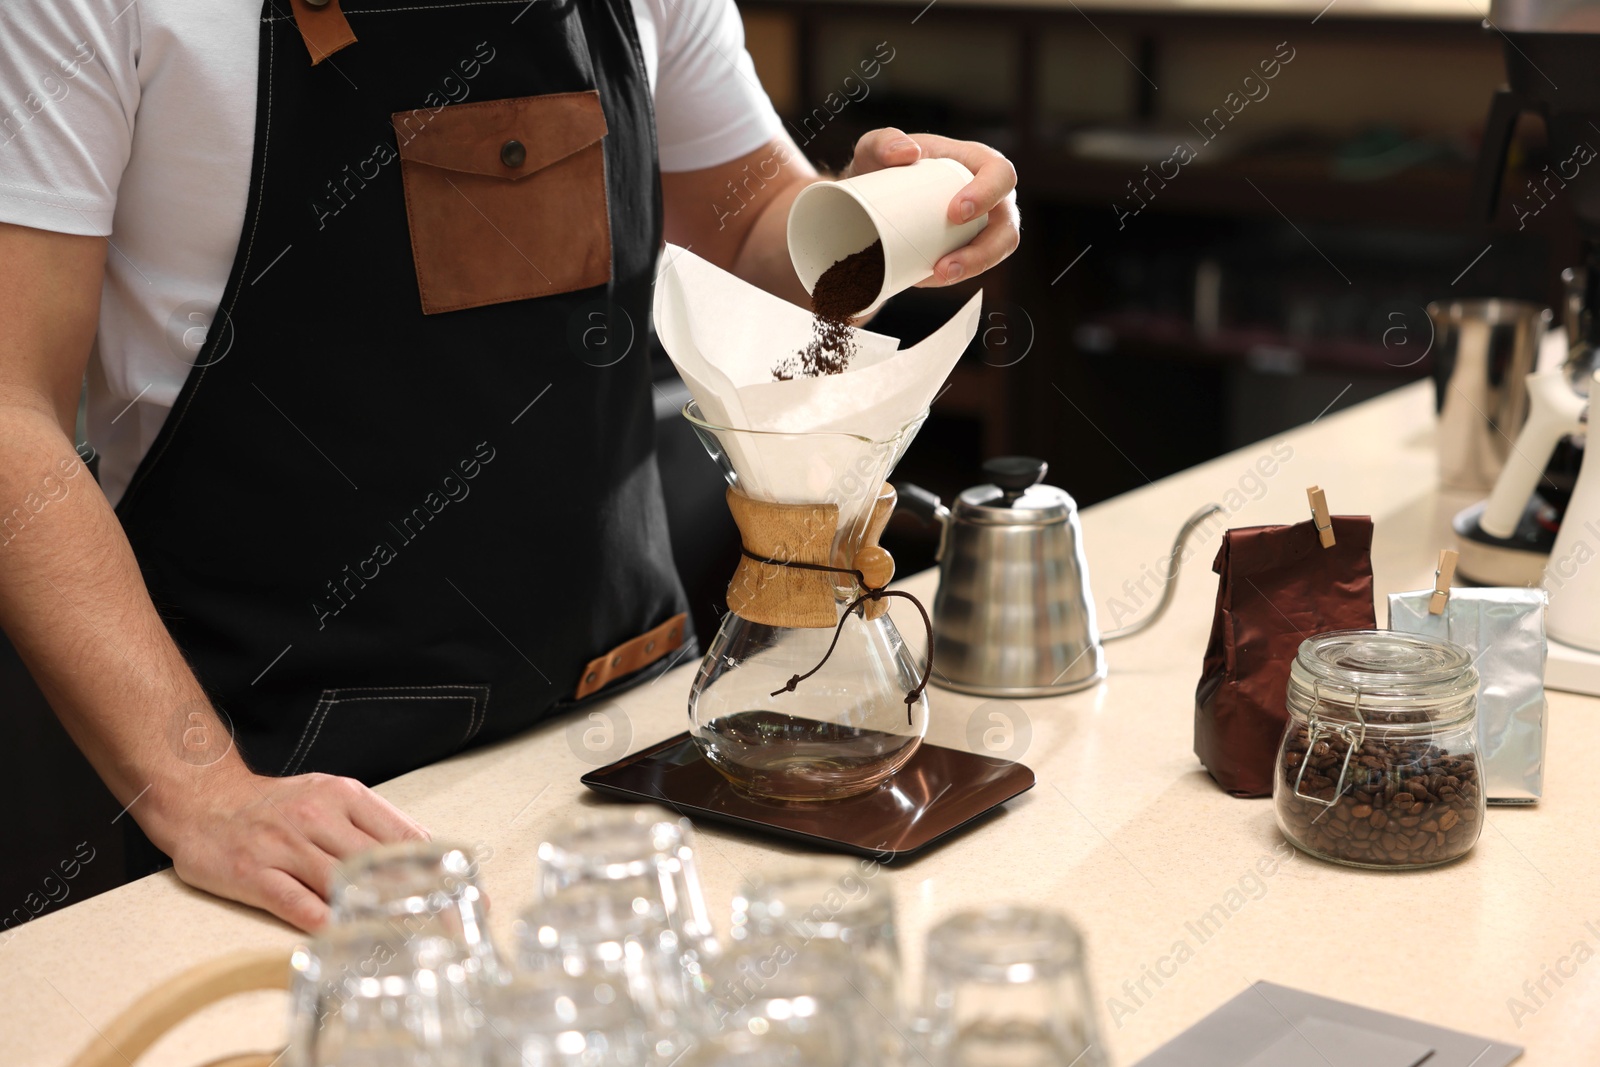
<point x="1507" y="539"/>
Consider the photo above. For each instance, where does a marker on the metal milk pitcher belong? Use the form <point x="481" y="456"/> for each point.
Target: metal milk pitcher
<point x="1484" y="352"/>
<point x="1014" y="616"/>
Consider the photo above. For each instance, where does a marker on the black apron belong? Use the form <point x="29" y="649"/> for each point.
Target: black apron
<point x="379" y="534"/>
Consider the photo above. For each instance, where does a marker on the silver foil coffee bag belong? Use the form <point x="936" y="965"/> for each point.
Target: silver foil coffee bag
<point x="1504" y="631"/>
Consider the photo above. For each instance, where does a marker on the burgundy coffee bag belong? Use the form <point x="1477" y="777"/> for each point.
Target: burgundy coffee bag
<point x="1277" y="586"/>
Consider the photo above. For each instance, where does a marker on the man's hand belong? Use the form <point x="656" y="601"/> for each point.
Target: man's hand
<point x="272" y="842"/>
<point x="736" y="213"/>
<point x="73" y="602"/>
<point x="991" y="192"/>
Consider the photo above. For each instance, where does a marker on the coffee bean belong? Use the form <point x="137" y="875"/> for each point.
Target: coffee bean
<point x="1402" y="803"/>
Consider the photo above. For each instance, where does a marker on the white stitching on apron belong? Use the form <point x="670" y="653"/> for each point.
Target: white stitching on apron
<point x="290" y="764"/>
<point x="476" y="718"/>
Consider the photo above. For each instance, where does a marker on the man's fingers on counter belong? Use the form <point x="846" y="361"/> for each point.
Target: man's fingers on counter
<point x="289" y="899"/>
<point x="337" y="835"/>
<point x="382" y="820"/>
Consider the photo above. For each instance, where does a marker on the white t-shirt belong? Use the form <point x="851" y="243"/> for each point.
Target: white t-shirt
<point x="135" y="119"/>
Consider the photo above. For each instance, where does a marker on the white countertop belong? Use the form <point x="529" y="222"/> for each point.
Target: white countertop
<point x="1124" y="831"/>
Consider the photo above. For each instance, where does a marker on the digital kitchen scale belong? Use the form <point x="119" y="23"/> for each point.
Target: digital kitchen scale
<point x="939" y="792"/>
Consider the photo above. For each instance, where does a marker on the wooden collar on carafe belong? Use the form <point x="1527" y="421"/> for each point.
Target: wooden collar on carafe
<point x="785" y="592"/>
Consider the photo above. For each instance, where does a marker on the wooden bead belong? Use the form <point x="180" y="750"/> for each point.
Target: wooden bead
<point x="876" y="566"/>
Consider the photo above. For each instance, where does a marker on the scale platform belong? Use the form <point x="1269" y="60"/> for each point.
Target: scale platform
<point x="1571" y="670"/>
<point x="938" y="793"/>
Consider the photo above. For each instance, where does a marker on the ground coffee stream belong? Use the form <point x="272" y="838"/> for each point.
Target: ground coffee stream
<point x="844" y="290"/>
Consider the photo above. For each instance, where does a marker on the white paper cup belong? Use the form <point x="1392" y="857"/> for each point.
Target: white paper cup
<point x="907" y="208"/>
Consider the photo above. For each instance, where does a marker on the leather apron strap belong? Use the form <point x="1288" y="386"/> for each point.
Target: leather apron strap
<point x="323" y="26"/>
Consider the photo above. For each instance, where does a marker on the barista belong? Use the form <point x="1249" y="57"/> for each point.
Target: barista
<point x="372" y="491"/>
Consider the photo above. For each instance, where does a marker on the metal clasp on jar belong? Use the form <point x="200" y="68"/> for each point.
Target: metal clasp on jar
<point x="1353" y="735"/>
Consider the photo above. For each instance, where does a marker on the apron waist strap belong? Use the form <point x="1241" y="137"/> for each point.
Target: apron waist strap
<point x="632" y="655"/>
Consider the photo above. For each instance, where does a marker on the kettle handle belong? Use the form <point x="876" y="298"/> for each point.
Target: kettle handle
<point x="927" y="508"/>
<point x="1170" y="587"/>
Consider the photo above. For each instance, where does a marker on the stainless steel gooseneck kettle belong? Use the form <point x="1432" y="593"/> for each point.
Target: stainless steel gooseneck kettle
<point x="1014" y="616"/>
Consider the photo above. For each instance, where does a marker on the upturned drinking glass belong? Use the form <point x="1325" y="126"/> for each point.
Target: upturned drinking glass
<point x="619" y="895"/>
<point x="1005" y="987"/>
<point x="847" y="725"/>
<point x="778" y="998"/>
<point x="834" y="920"/>
<point x="593" y="932"/>
<point x="766" y="1048"/>
<point x="424" y="888"/>
<point x="370" y="994"/>
<point x="553" y="1019"/>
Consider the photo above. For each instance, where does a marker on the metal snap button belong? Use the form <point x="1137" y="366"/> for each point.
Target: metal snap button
<point x="512" y="154"/>
<point x="592" y="677"/>
<point x="317" y="3"/>
<point x="616" y="661"/>
<point x="649" y="647"/>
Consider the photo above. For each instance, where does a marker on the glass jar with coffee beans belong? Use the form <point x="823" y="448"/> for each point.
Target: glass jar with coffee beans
<point x="1379" y="762"/>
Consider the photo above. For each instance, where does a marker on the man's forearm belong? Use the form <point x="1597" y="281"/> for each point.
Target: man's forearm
<point x="763" y="259"/>
<point x="74" y="604"/>
<point x="736" y="214"/>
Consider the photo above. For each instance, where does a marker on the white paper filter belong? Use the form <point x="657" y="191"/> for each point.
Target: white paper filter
<point x="725" y="335"/>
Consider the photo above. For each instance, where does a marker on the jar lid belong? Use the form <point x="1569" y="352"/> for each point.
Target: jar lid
<point x="1390" y="676"/>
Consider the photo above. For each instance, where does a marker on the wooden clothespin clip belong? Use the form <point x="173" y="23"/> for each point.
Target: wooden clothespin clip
<point x="1443" y="575"/>
<point x="1319" y="516"/>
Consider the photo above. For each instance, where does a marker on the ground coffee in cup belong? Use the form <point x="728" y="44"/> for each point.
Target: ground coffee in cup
<point x="845" y="289"/>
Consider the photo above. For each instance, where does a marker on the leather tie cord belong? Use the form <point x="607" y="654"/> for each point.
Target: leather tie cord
<point x="915" y="692"/>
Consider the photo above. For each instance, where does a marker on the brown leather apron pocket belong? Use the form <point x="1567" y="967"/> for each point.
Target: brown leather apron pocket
<point x="506" y="199"/>
<point x="378" y="732"/>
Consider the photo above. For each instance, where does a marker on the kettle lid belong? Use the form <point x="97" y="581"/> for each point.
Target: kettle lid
<point x="1015" y="497"/>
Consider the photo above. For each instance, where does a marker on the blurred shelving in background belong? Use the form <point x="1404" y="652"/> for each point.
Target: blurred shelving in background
<point x="1174" y="306"/>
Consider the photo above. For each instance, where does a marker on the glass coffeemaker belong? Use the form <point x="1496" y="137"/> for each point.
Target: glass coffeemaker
<point x="808" y="692"/>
